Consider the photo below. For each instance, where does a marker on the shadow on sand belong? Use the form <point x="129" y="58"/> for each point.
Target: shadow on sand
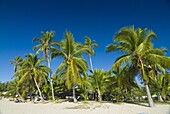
<point x="136" y="103"/>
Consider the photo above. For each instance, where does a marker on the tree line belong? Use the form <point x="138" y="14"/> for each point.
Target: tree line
<point x="33" y="74"/>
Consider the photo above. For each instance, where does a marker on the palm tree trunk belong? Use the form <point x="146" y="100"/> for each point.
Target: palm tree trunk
<point x="160" y="97"/>
<point x="123" y="95"/>
<point x="74" y="94"/>
<point x="51" y="81"/>
<point x="91" y="64"/>
<point x="19" y="94"/>
<point x="150" y="100"/>
<point x="42" y="100"/>
<point x="15" y="69"/>
<point x="31" y="97"/>
<point x="99" y="95"/>
<point x="52" y="88"/>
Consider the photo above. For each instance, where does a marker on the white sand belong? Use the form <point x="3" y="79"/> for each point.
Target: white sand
<point x="8" y="107"/>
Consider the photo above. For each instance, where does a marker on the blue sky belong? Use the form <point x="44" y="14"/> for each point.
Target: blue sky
<point x="23" y="20"/>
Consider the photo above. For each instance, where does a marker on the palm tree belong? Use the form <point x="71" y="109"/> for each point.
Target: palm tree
<point x="13" y="88"/>
<point x="59" y="84"/>
<point x="73" y="64"/>
<point x="124" y="79"/>
<point x="33" y="69"/>
<point x="45" y="44"/>
<point x="160" y="84"/>
<point x="98" y="79"/>
<point x="16" y="63"/>
<point x="91" y="45"/>
<point x="159" y="79"/>
<point x="138" y="51"/>
<point x="85" y="86"/>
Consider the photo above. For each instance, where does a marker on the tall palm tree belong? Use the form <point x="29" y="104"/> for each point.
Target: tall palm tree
<point x="98" y="79"/>
<point x="45" y="44"/>
<point x="138" y="51"/>
<point x="89" y="43"/>
<point x="16" y="63"/>
<point x="33" y="69"/>
<point x="73" y="63"/>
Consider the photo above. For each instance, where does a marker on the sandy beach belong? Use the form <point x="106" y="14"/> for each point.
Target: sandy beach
<point x="8" y="107"/>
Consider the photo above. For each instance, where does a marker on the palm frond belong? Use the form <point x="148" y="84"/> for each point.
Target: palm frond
<point x="149" y="35"/>
<point x="126" y="35"/>
<point x="61" y="67"/>
<point x="120" y="61"/>
<point x="75" y="73"/>
<point x="56" y="52"/>
<point x="82" y="50"/>
<point x="68" y="79"/>
<point x="23" y="78"/>
<point x="38" y="40"/>
<point x="37" y="46"/>
<point x="143" y="47"/>
<point x="81" y="63"/>
<point x="162" y="60"/>
<point x="112" y="47"/>
<point x="95" y="45"/>
<point x="88" y="41"/>
<point x="155" y="51"/>
<point x="69" y="42"/>
<point x="55" y="43"/>
<point x="40" y="60"/>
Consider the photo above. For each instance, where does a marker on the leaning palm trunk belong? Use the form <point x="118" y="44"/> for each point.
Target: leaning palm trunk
<point x="99" y="95"/>
<point x="51" y="81"/>
<point x="151" y="103"/>
<point x="74" y="94"/>
<point x="42" y="100"/>
<point x="91" y="64"/>
<point x="160" y="97"/>
<point x="19" y="94"/>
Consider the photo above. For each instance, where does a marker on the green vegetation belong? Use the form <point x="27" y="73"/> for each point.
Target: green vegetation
<point x="98" y="80"/>
<point x="73" y="65"/>
<point x="89" y="43"/>
<point x="45" y="44"/>
<point x="72" y="81"/>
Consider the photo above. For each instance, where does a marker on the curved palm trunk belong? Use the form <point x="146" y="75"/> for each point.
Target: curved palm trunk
<point x="42" y="100"/>
<point x="51" y="81"/>
<point x="151" y="103"/>
<point x="91" y="64"/>
<point x="160" y="97"/>
<point x="99" y="95"/>
<point x="74" y="94"/>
